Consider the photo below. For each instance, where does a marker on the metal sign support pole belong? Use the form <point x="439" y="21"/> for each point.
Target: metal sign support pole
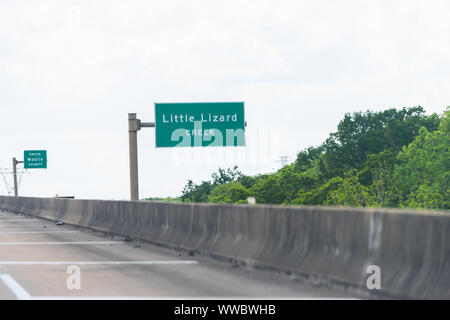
<point x="134" y="125"/>
<point x="16" y="189"/>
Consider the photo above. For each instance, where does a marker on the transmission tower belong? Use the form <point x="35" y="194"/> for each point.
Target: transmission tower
<point x="283" y="160"/>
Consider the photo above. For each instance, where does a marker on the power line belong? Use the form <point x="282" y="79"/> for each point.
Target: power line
<point x="8" y="186"/>
<point x="5" y="172"/>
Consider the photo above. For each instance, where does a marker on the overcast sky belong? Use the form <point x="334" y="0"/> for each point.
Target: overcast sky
<point x="71" y="71"/>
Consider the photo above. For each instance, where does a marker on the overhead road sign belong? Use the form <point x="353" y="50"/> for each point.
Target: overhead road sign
<point x="202" y="124"/>
<point x="192" y="124"/>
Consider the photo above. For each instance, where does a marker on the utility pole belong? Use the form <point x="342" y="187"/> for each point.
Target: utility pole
<point x="134" y="125"/>
<point x="15" y="162"/>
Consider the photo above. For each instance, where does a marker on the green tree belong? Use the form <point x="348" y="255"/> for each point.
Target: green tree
<point x="319" y="195"/>
<point x="248" y="181"/>
<point x="422" y="176"/>
<point x="361" y="134"/>
<point x="375" y="164"/>
<point x="223" y="176"/>
<point x="427" y="196"/>
<point x="306" y="158"/>
<point x="350" y="193"/>
<point x="392" y="158"/>
<point x="376" y="175"/>
<point x="268" y="190"/>
<point x="200" y="192"/>
<point x="196" y="192"/>
<point x="232" y="192"/>
<point x="292" y="181"/>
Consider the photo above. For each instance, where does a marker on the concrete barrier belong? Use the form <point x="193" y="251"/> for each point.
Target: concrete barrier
<point x="332" y="245"/>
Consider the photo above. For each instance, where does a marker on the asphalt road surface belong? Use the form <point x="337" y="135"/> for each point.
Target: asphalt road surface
<point x="41" y="260"/>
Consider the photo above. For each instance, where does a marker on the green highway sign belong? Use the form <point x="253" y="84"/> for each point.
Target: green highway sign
<point x="202" y="124"/>
<point x="35" y="159"/>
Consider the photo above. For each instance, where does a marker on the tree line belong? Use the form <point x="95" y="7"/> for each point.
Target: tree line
<point x="390" y="158"/>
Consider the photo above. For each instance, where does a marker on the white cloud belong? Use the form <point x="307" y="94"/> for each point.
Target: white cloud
<point x="70" y="71"/>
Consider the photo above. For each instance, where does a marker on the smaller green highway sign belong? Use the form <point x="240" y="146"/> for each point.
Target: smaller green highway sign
<point x="35" y="159"/>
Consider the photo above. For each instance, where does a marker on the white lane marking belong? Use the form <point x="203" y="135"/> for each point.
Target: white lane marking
<point x="57" y="243"/>
<point x="22" y="294"/>
<point x="15" y="288"/>
<point x="36" y="232"/>
<point x="17" y="226"/>
<point x="89" y="298"/>
<point x="21" y="220"/>
<point x="52" y="263"/>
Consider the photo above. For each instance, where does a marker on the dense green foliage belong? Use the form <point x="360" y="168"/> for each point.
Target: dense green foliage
<point x="166" y="199"/>
<point x="393" y="158"/>
<point x="232" y="192"/>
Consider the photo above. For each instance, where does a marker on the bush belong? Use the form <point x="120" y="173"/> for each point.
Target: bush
<point x="232" y="192"/>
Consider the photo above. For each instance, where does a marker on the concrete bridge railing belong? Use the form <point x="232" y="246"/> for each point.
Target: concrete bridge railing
<point x="332" y="245"/>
